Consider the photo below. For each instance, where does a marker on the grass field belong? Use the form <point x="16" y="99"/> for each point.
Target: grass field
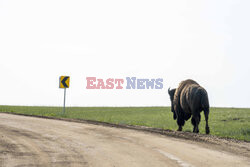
<point x="223" y="122"/>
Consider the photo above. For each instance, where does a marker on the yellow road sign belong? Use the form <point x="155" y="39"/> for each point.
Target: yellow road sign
<point x="64" y="82"/>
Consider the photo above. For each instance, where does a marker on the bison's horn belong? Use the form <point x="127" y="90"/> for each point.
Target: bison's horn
<point x="169" y="90"/>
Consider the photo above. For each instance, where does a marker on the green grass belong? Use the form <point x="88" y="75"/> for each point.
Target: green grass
<point x="223" y="122"/>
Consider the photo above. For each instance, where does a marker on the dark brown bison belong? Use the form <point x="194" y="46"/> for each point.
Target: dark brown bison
<point x="189" y="99"/>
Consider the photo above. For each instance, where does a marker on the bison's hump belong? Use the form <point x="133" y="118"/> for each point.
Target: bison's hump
<point x="181" y="86"/>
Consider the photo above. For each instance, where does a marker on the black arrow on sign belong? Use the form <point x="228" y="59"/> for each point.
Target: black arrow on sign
<point x="63" y="82"/>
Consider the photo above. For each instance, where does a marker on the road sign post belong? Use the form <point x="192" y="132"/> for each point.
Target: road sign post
<point x="64" y="83"/>
<point x="64" y="100"/>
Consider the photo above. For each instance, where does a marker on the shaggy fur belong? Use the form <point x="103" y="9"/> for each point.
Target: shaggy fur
<point x="189" y="99"/>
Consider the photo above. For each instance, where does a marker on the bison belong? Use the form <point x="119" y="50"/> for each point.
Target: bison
<point x="189" y="99"/>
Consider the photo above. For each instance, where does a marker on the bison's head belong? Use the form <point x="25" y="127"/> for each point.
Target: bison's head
<point x="171" y="93"/>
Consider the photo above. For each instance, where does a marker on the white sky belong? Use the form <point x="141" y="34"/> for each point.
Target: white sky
<point x="207" y="41"/>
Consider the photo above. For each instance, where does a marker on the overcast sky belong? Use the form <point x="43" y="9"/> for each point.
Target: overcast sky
<point x="207" y="41"/>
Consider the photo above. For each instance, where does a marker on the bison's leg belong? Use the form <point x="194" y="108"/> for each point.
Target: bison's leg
<point x="180" y="122"/>
<point x="195" y="121"/>
<point x="206" y="113"/>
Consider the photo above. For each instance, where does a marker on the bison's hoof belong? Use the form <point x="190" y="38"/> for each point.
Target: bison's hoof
<point x="179" y="129"/>
<point x="207" y="130"/>
<point x="195" y="130"/>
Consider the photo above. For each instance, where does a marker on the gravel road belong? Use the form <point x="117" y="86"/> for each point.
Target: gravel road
<point x="30" y="141"/>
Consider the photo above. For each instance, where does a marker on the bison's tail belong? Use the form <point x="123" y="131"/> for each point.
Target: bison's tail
<point x="204" y="100"/>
